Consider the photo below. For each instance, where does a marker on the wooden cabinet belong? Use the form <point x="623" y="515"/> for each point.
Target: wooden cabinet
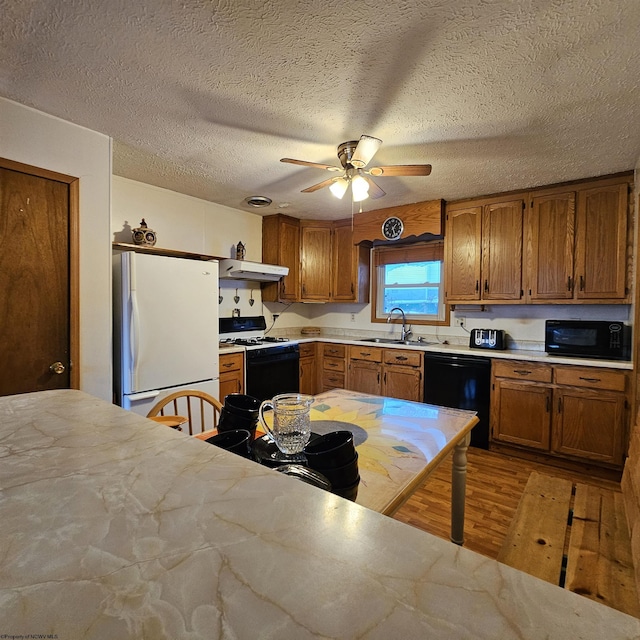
<point x="395" y="373"/>
<point x="564" y="244"/>
<point x="577" y="243"/>
<point x="334" y="366"/>
<point x="333" y="269"/>
<point x="308" y="368"/>
<point x="231" y="374"/>
<point x="281" y="245"/>
<point x="484" y="251"/>
<point x="578" y="413"/>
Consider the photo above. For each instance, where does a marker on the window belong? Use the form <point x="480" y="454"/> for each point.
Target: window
<point x="410" y="277"/>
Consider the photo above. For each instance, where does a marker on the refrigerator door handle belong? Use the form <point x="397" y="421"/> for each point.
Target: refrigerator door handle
<point x="145" y="395"/>
<point x="134" y="335"/>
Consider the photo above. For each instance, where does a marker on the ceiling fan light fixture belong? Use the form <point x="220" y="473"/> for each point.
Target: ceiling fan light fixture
<point x="359" y="189"/>
<point x="339" y="187"/>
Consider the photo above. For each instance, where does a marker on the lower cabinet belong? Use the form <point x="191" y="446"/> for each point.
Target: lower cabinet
<point x="231" y="374"/>
<point x="334" y="366"/>
<point x="308" y="368"/>
<point x="395" y="373"/>
<point x="578" y="413"/>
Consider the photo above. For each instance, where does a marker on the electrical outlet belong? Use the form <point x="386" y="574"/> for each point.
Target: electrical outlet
<point x="275" y="316"/>
<point x="461" y="321"/>
<point x="353" y="317"/>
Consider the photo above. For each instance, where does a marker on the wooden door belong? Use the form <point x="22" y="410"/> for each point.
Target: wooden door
<point x="38" y="279"/>
<point x="589" y="424"/>
<point x="502" y="250"/>
<point x="601" y="242"/>
<point x="521" y="414"/>
<point x="402" y="382"/>
<point x="308" y="376"/>
<point x="463" y="254"/>
<point x="281" y="245"/>
<point x="344" y="264"/>
<point x="364" y="377"/>
<point x="315" y="262"/>
<point x="551" y="234"/>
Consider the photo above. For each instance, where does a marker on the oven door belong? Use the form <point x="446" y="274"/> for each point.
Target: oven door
<point x="273" y="370"/>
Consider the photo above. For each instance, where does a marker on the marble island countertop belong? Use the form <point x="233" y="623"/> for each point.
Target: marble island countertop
<point x="113" y="526"/>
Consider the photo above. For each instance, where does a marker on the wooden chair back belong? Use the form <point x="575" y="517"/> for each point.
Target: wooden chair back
<point x="201" y="409"/>
<point x="631" y="494"/>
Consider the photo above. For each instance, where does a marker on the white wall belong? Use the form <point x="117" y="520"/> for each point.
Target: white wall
<point x="40" y="140"/>
<point x="184" y="223"/>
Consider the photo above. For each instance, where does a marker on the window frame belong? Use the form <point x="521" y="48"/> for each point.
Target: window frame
<point x="396" y="254"/>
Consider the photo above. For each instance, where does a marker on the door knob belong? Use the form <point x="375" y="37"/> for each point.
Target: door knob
<point x="57" y="367"/>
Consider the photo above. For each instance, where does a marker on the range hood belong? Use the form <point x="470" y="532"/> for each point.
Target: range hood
<point x="256" y="271"/>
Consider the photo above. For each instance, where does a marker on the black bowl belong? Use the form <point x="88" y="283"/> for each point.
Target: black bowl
<point x="237" y="441"/>
<point x="350" y="493"/>
<point x="242" y="404"/>
<point x="231" y="421"/>
<point x="333" y="449"/>
<point x="340" y="477"/>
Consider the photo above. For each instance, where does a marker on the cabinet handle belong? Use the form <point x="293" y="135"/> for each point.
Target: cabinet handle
<point x="559" y="405"/>
<point x="378" y="377"/>
<point x="486" y="286"/>
<point x="522" y="372"/>
<point x="581" y="283"/>
<point x="568" y="283"/>
<point x="401" y="358"/>
<point x="352" y="289"/>
<point x="385" y="377"/>
<point x="332" y="364"/>
<point x="304" y="290"/>
<point x="589" y="379"/>
<point x="365" y="353"/>
<point x="228" y="364"/>
<point x="477" y="285"/>
<point x="547" y="405"/>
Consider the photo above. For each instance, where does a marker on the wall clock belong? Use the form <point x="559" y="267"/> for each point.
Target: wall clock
<point x="392" y="228"/>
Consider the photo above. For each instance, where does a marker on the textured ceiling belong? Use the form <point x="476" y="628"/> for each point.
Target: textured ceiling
<point x="204" y="97"/>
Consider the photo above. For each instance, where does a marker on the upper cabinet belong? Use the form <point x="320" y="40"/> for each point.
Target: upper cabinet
<point x="328" y="266"/>
<point x="484" y="251"/>
<point x="566" y="244"/>
<point x="281" y="245"/>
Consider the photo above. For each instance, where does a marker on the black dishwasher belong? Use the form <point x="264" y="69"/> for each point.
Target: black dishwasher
<point x="460" y="382"/>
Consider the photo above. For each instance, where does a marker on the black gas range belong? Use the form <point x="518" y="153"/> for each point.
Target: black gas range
<point x="272" y="364"/>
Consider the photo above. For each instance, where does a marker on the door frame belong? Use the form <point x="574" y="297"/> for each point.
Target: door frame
<point x="74" y="261"/>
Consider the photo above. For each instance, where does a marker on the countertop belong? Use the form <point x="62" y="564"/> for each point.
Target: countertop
<point x="437" y="347"/>
<point x="114" y="526"/>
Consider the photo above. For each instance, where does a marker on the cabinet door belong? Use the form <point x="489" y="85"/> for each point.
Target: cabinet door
<point x="308" y="376"/>
<point x="281" y="245"/>
<point x="230" y="383"/>
<point x="551" y="233"/>
<point x="315" y="264"/>
<point x="364" y="377"/>
<point x="601" y="242"/>
<point x="589" y="424"/>
<point x="402" y="382"/>
<point x="502" y="250"/>
<point x="344" y="265"/>
<point x="463" y="254"/>
<point x="521" y="414"/>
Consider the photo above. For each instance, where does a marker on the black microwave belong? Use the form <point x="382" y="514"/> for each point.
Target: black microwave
<point x="596" y="339"/>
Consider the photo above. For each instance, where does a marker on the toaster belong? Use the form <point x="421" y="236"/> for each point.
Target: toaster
<point x="487" y="339"/>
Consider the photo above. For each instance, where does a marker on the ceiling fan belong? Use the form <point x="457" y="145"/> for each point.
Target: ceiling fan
<point x="354" y="156"/>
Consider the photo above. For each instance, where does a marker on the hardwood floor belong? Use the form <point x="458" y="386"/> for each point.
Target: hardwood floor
<point x="495" y="482"/>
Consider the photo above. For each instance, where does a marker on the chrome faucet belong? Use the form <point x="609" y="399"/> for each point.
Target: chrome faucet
<point x="406" y="332"/>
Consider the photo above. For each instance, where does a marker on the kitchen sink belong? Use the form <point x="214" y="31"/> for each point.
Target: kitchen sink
<point x="395" y="341"/>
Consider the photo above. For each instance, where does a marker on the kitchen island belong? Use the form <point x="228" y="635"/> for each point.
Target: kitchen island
<point x="114" y="526"/>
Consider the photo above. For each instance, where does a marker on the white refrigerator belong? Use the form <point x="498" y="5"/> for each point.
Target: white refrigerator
<point x="165" y="328"/>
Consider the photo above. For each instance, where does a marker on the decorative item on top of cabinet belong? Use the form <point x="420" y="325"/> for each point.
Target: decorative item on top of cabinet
<point x="144" y="236"/>
<point x="567" y="412"/>
<point x="308" y="368"/>
<point x="281" y="245"/>
<point x="396" y="373"/>
<point x="231" y="374"/>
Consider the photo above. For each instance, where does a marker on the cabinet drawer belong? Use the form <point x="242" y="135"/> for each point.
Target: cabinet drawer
<point x="333" y="364"/>
<point x="332" y="380"/>
<point x="592" y="377"/>
<point x="231" y="362"/>
<point x="307" y="349"/>
<point x="333" y="350"/>
<point x="522" y="371"/>
<point x="405" y="358"/>
<point x="370" y="354"/>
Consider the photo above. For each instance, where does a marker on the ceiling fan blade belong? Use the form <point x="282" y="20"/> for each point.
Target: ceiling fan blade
<point x="304" y="163"/>
<point x="366" y="149"/>
<point x="315" y="187"/>
<point x="401" y="170"/>
<point x="374" y="190"/>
